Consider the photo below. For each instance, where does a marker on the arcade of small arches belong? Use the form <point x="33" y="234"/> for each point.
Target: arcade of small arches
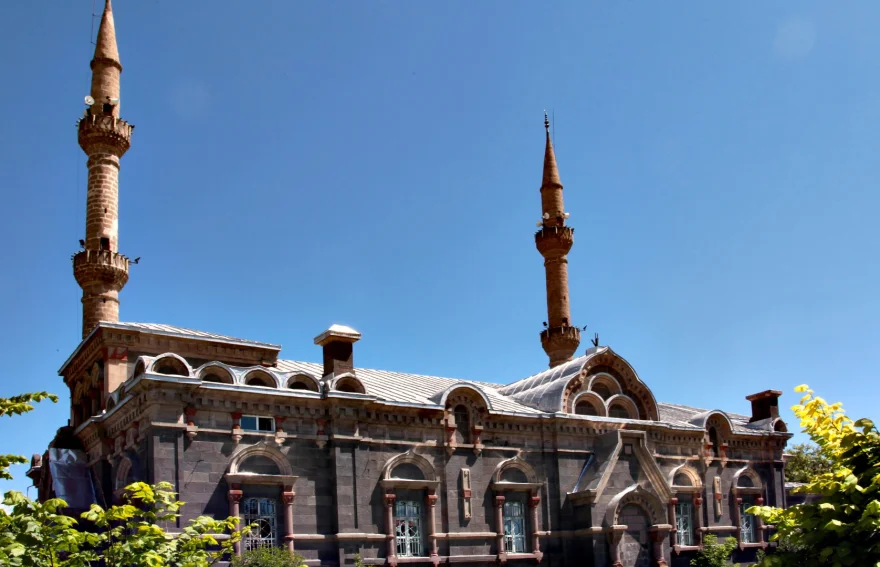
<point x="601" y="395"/>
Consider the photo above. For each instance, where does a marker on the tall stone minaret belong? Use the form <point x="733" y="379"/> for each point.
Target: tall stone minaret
<point x="99" y="268"/>
<point x="559" y="338"/>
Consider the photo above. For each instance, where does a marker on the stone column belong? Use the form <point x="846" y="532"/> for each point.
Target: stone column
<point x="614" y="545"/>
<point x="390" y="535"/>
<point x="534" y="502"/>
<point x="499" y="527"/>
<point x="658" y="534"/>
<point x="737" y="520"/>
<point x="671" y="514"/>
<point x="431" y="501"/>
<point x="698" y="519"/>
<point x="287" y="498"/>
<point x="759" y="523"/>
<point x="234" y="496"/>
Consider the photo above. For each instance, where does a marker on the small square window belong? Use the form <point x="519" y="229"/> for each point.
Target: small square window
<point x="257" y="423"/>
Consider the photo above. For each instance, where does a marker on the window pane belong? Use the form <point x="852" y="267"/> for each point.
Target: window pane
<point x="684" y="513"/>
<point x="408" y="528"/>
<point x="249" y="422"/>
<point x="266" y="424"/>
<point x="261" y="513"/>
<point x="514" y="527"/>
<point x="747" y="522"/>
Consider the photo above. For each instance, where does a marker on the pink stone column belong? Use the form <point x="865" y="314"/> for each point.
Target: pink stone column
<point x="534" y="502"/>
<point x="499" y="526"/>
<point x="431" y="500"/>
<point x="658" y="535"/>
<point x="671" y="514"/>
<point x="234" y="496"/>
<point x="698" y="519"/>
<point x="614" y="547"/>
<point x="390" y="535"/>
<point x="287" y="498"/>
<point x="737" y="520"/>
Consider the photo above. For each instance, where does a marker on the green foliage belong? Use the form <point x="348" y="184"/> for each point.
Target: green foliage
<point x="130" y="535"/>
<point x="805" y="463"/>
<point x="842" y="527"/>
<point x="268" y="557"/>
<point x="34" y="534"/>
<point x="714" y="553"/>
<point x="358" y="560"/>
<point x="17" y="405"/>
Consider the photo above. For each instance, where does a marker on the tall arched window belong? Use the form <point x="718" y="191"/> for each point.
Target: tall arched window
<point x="713" y="439"/>
<point x="585" y="407"/>
<point x="462" y="424"/>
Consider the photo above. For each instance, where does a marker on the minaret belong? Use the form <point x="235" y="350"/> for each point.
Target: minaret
<point x="560" y="338"/>
<point x="99" y="268"/>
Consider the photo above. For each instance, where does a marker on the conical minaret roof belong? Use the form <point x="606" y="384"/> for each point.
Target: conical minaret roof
<point x="105" y="46"/>
<point x="551" y="172"/>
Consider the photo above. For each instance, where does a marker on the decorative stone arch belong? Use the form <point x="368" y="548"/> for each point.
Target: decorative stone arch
<point x="261" y="449"/>
<point x="216" y="372"/>
<point x="779" y="426"/>
<point x="638" y="496"/>
<point x="127" y="472"/>
<point x="624" y="401"/>
<point x="348" y="382"/>
<point x="307" y="382"/>
<point x="608" y="381"/>
<point x="518" y="464"/>
<point x="747" y="473"/>
<point x="608" y="362"/>
<point x="411" y="458"/>
<point x="463" y="398"/>
<point x="591" y="398"/>
<point x="259" y="377"/>
<point x="693" y="477"/>
<point x="112" y="400"/>
<point x="719" y="428"/>
<point x="139" y="367"/>
<point x="170" y="364"/>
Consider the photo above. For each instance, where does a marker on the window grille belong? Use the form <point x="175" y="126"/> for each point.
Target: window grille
<point x="260" y="511"/>
<point x="408" y="528"/>
<point x="684" y="523"/>
<point x="746" y="522"/>
<point x="257" y="423"/>
<point x="514" y="527"/>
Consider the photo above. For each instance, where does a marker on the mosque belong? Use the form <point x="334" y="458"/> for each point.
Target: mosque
<point x="577" y="464"/>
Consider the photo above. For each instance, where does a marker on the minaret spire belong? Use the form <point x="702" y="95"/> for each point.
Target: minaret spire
<point x="99" y="268"/>
<point x="559" y="338"/>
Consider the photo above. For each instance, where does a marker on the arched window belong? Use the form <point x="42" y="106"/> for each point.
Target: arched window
<point x="260" y="379"/>
<point x="258" y="464"/>
<point x="684" y="518"/>
<point x="602" y="390"/>
<point x="299" y="385"/>
<point x="585" y="407"/>
<point x="407" y="471"/>
<point x="347" y="387"/>
<point x="618" y="410"/>
<point x="713" y="439"/>
<point x="682" y="480"/>
<point x="745" y="481"/>
<point x="462" y="424"/>
<point x="513" y="474"/>
<point x="170" y="365"/>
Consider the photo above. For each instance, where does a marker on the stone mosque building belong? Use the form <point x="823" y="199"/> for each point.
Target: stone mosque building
<point x="577" y="464"/>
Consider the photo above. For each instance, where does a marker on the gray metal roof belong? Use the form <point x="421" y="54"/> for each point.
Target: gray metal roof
<point x="172" y="330"/>
<point x="544" y="389"/>
<point x="416" y="389"/>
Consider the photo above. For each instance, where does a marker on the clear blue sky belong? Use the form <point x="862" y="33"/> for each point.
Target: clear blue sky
<point x="377" y="164"/>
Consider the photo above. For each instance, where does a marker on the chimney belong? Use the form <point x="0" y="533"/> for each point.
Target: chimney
<point x="765" y="405"/>
<point x="337" y="343"/>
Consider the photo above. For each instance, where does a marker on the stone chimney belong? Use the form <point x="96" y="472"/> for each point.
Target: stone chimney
<point x="765" y="405"/>
<point x="337" y="342"/>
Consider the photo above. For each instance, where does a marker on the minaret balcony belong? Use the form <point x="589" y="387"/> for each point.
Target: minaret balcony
<point x="98" y="132"/>
<point x="100" y="266"/>
<point x="560" y="343"/>
<point x="554" y="240"/>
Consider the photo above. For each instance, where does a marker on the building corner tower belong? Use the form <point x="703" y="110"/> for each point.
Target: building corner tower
<point x="559" y="338"/>
<point x="99" y="269"/>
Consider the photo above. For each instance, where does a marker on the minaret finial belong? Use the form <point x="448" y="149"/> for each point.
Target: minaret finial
<point x="105" y="44"/>
<point x="546" y="122"/>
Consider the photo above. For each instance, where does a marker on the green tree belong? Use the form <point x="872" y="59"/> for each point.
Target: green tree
<point x="18" y="405"/>
<point x="268" y="557"/>
<point x="714" y="553"/>
<point x="36" y="535"/>
<point x="805" y="462"/>
<point x="842" y="527"/>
